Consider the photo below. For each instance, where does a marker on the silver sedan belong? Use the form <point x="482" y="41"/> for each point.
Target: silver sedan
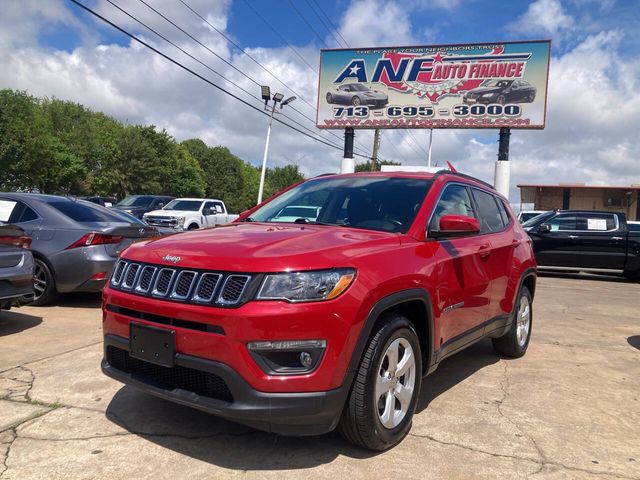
<point x="74" y="243"/>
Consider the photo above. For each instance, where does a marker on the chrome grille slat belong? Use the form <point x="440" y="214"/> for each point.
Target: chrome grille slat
<point x="117" y="272"/>
<point x="130" y="276"/>
<point x="183" y="284"/>
<point x="180" y="284"/>
<point x="233" y="289"/>
<point x="206" y="287"/>
<point x="163" y="282"/>
<point x="145" y="280"/>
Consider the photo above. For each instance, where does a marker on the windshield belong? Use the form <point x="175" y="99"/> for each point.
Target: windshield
<point x="387" y="204"/>
<point x="135" y="201"/>
<point x="356" y="87"/>
<point x="499" y="83"/>
<point x="190" y="205"/>
<point x="537" y="219"/>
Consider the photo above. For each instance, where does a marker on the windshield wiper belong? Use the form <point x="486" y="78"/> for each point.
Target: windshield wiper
<point x="306" y="221"/>
<point x="248" y="219"/>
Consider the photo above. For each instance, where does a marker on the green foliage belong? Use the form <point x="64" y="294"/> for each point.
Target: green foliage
<point x="366" y="166"/>
<point x="61" y="147"/>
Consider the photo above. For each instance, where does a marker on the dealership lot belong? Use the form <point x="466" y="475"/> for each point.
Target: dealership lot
<point x="569" y="409"/>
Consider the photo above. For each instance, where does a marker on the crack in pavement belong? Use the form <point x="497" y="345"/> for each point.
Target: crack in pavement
<point x="5" y="466"/>
<point x="50" y="356"/>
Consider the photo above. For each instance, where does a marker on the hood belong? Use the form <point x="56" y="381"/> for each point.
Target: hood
<point x="262" y="247"/>
<point x="171" y="213"/>
<point x="483" y="90"/>
<point x="376" y="94"/>
<point x="129" y="209"/>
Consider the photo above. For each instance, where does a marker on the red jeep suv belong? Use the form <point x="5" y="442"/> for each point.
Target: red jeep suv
<point x="298" y="320"/>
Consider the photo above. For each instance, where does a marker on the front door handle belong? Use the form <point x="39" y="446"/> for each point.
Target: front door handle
<point x="617" y="238"/>
<point x="573" y="237"/>
<point x="484" y="251"/>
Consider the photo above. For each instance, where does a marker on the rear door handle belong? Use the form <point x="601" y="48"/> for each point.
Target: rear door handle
<point x="484" y="251"/>
<point x="573" y="237"/>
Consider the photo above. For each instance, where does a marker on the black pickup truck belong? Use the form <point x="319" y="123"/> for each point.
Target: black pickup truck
<point x="582" y="240"/>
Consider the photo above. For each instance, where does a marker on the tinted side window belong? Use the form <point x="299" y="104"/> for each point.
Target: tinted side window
<point x="28" y="214"/>
<point x="84" y="212"/>
<point x="489" y="215"/>
<point x="562" y="222"/>
<point x="594" y="222"/>
<point x="506" y="218"/>
<point x="455" y="200"/>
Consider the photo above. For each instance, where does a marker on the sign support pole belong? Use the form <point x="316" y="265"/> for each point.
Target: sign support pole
<point x="348" y="163"/>
<point x="376" y="144"/>
<point x="430" y="145"/>
<point x="502" y="171"/>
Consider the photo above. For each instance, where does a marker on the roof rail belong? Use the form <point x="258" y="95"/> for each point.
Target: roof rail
<point x="463" y="175"/>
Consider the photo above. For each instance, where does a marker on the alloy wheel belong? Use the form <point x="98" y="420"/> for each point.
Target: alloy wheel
<point x="523" y="321"/>
<point x="395" y="383"/>
<point x="39" y="281"/>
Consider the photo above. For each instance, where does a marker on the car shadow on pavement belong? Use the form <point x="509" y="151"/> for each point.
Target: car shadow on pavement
<point x="634" y="341"/>
<point x="230" y="445"/>
<point x="454" y="370"/>
<point x="13" y="322"/>
<point x="79" y="300"/>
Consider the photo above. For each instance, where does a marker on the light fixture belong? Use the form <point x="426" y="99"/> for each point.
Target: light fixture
<point x="277" y="97"/>
<point x="287" y="101"/>
<point x="266" y="93"/>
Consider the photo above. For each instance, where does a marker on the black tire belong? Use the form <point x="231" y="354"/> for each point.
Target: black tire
<point x="360" y="423"/>
<point x="193" y="226"/>
<point x="509" y="344"/>
<point x="329" y="98"/>
<point x="356" y="102"/>
<point x="44" y="284"/>
<point x="531" y="97"/>
<point x="501" y="99"/>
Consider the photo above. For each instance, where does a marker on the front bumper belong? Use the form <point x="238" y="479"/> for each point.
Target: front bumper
<point x="306" y="413"/>
<point x="376" y="103"/>
<point x="473" y="101"/>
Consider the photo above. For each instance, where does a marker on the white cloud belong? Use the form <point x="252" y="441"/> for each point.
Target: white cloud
<point x="592" y="119"/>
<point x="544" y="17"/>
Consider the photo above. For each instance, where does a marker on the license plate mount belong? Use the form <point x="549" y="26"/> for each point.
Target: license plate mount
<point x="152" y="344"/>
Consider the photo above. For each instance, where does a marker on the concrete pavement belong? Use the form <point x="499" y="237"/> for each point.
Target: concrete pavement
<point x="570" y="409"/>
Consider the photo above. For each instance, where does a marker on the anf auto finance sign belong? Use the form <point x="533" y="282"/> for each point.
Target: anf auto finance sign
<point x="443" y="86"/>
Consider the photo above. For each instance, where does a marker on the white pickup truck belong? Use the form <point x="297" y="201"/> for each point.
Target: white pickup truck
<point x="190" y="213"/>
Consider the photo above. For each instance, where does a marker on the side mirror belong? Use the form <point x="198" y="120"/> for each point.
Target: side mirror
<point x="544" y="228"/>
<point x="161" y="204"/>
<point x="456" y="226"/>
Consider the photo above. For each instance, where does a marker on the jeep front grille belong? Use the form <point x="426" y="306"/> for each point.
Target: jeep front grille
<point x="180" y="285"/>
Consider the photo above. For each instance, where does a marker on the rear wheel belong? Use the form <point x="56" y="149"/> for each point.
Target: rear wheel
<point x="515" y="342"/>
<point x="501" y="99"/>
<point x="329" y="98"/>
<point x="355" y="101"/>
<point x="44" y="284"/>
<point x="382" y="400"/>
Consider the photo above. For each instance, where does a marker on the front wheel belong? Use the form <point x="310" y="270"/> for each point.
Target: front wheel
<point x="515" y="342"/>
<point x="382" y="400"/>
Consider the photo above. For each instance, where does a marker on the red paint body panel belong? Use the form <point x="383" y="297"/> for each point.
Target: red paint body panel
<point x="469" y="279"/>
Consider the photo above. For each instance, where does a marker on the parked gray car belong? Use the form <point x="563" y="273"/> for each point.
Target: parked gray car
<point x="16" y="266"/>
<point x="75" y="243"/>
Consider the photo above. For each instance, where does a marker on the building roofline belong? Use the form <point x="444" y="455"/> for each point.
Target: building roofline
<point x="569" y="185"/>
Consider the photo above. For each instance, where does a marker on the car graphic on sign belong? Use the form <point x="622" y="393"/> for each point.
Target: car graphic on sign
<point x="357" y="94"/>
<point x="502" y="91"/>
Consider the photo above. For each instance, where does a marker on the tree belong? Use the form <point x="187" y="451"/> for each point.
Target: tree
<point x="279" y="178"/>
<point x="366" y="166"/>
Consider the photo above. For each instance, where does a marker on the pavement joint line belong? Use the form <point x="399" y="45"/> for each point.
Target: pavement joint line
<point x="50" y="356"/>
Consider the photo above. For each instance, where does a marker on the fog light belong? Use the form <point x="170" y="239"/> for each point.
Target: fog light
<point x="306" y="360"/>
<point x="287" y="357"/>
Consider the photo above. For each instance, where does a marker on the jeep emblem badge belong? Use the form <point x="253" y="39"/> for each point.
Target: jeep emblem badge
<point x="171" y="258"/>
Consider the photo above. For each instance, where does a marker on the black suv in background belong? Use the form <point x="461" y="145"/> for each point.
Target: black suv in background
<point x="138" y="205"/>
<point x="583" y="240"/>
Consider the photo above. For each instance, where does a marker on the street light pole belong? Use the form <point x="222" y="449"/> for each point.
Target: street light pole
<point x="277" y="98"/>
<point x="266" y="152"/>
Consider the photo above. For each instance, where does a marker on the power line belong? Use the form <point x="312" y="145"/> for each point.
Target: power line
<point x="187" y="69"/>
<point x="280" y="36"/>
<point x="330" y="22"/>
<point x="304" y="19"/>
<point x="299" y="95"/>
<point x="324" y="23"/>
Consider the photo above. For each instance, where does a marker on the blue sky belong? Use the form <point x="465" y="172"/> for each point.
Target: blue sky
<point x="52" y="48"/>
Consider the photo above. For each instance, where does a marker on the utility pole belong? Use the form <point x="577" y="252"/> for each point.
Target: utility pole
<point x="502" y="171"/>
<point x="348" y="164"/>
<point x="376" y="145"/>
